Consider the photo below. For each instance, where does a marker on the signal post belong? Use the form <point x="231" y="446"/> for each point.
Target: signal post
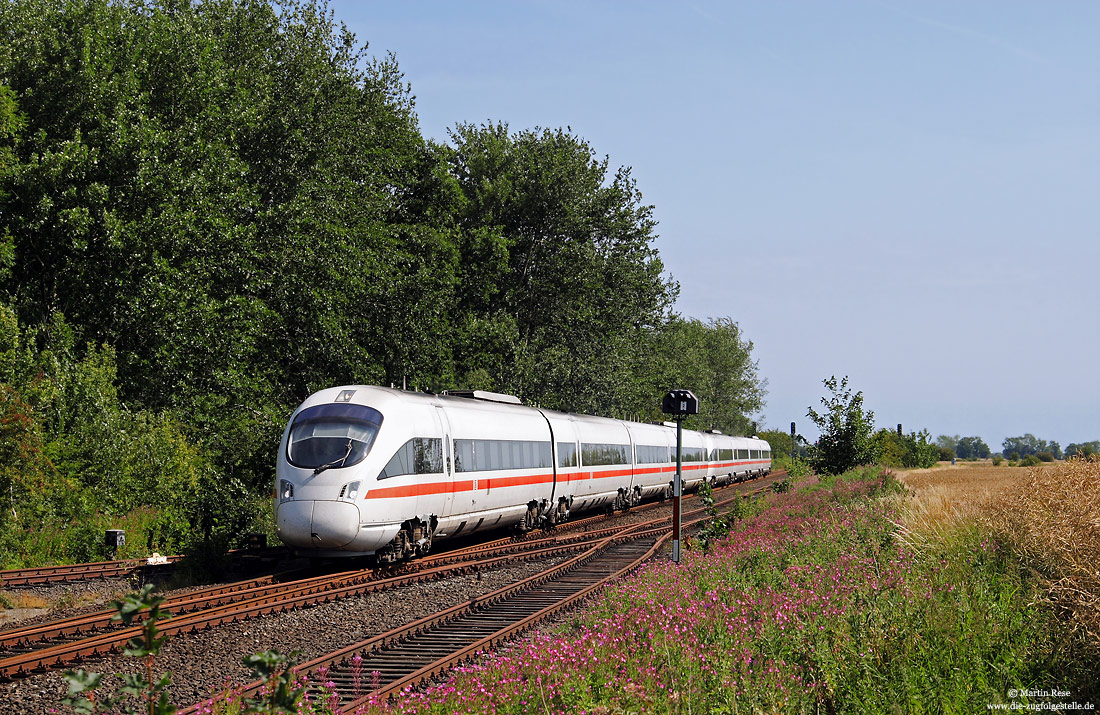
<point x="679" y="404"/>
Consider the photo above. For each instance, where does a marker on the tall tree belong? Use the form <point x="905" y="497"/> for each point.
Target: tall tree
<point x="972" y="448"/>
<point x="713" y="359"/>
<point x="558" y="274"/>
<point x="233" y="195"/>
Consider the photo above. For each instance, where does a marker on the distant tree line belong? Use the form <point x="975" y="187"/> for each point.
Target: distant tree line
<point x="1085" y="449"/>
<point x="210" y="210"/>
<point x="1019" y="447"/>
<point x="952" y="446"/>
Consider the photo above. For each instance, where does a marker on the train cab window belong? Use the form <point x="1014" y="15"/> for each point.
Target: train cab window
<point x="332" y="436"/>
<point x="420" y="455"/>
<point x="567" y="454"/>
<point x="602" y="454"/>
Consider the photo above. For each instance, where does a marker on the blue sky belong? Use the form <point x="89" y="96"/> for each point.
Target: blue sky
<point x="904" y="193"/>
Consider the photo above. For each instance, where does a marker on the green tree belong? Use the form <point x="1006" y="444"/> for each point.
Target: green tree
<point x="846" y="430"/>
<point x="1083" y="449"/>
<point x="781" y="443"/>
<point x="558" y="281"/>
<point x="1030" y="444"/>
<point x="236" y="197"/>
<point x="711" y="358"/>
<point x="948" y="442"/>
<point x="972" y="448"/>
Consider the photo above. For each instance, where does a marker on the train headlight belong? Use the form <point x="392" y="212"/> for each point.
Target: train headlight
<point x="286" y="490"/>
<point x="350" y="491"/>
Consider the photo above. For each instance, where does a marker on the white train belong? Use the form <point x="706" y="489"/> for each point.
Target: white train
<point x="370" y="470"/>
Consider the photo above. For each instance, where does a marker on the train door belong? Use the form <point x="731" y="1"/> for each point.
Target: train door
<point x="447" y="495"/>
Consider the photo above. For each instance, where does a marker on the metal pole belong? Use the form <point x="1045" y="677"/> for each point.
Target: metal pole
<point x="677" y="492"/>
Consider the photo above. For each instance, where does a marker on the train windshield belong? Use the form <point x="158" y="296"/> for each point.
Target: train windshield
<point x="332" y="436"/>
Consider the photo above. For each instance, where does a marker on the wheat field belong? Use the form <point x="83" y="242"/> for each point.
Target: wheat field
<point x="1049" y="515"/>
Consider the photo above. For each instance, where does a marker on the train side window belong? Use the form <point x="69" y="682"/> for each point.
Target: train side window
<point x="428" y="455"/>
<point x="603" y="454"/>
<point x="648" y="454"/>
<point x="567" y="454"/>
<point x="420" y="455"/>
<point x="742" y="454"/>
<point x="489" y="455"/>
<point x="726" y="455"/>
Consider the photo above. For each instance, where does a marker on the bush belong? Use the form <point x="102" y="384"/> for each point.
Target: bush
<point x="998" y="460"/>
<point x="75" y="460"/>
<point x="1030" y="461"/>
<point x="846" y="440"/>
<point x="946" y="454"/>
<point x="1045" y="456"/>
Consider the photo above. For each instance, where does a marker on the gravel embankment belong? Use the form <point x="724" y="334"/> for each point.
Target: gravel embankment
<point x="202" y="663"/>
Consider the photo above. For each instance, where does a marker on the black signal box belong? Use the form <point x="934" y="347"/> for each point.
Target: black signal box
<point x="680" y="403"/>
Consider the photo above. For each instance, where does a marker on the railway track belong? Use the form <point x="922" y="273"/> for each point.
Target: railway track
<point x="43" y="575"/>
<point x="425" y="648"/>
<point x="59" y="643"/>
<point x="126" y="568"/>
<point x="422" y="650"/>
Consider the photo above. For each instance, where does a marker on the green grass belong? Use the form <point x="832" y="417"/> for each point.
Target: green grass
<point x="812" y="605"/>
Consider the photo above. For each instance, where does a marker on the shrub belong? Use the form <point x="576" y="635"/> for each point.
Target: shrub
<point x="1045" y="456"/>
<point x="998" y="460"/>
<point x="946" y="454"/>
<point x="846" y="439"/>
<point x="1030" y="461"/>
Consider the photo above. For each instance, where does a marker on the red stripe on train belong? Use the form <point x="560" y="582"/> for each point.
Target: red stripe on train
<point x="427" y="488"/>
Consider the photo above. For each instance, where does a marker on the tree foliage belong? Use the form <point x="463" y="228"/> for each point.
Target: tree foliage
<point x="846" y="430"/>
<point x="913" y="450"/>
<point x="972" y="448"/>
<point x="209" y="210"/>
<point x="1083" y="449"/>
<point x="558" y="276"/>
<point x="1030" y="444"/>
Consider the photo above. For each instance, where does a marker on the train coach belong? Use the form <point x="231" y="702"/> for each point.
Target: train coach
<point x="370" y="470"/>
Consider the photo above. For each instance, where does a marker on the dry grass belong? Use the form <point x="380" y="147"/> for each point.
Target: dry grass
<point x="944" y="497"/>
<point x="1050" y="515"/>
<point x="1052" y="519"/>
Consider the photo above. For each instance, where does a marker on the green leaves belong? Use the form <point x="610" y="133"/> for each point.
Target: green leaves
<point x="277" y="672"/>
<point x="209" y="210"/>
<point x="151" y="694"/>
<point x="846" y="439"/>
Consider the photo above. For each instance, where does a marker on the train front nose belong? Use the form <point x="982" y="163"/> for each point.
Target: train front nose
<point x="318" y="524"/>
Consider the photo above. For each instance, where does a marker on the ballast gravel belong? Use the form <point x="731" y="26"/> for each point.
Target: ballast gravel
<point x="205" y="663"/>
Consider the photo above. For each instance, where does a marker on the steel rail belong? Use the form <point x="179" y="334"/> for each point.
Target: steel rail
<point x="656" y="529"/>
<point x="256" y="597"/>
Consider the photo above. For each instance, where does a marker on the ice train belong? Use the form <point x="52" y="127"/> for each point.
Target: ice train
<point x="370" y="470"/>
